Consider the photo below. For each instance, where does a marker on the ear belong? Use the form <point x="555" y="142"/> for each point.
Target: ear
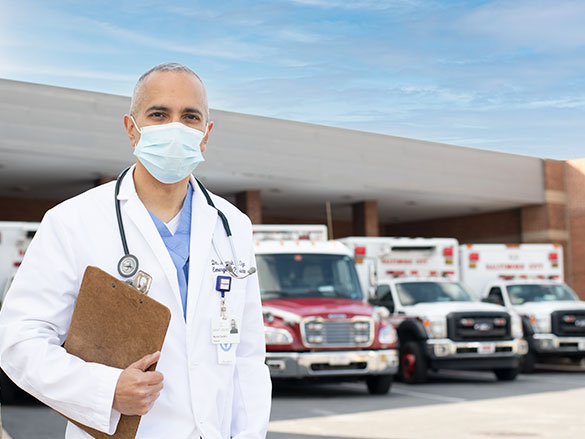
<point x="131" y="130"/>
<point x="206" y="137"/>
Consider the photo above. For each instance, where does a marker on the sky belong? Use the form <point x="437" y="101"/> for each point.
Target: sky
<point x="505" y="75"/>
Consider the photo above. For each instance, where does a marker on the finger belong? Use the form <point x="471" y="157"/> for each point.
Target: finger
<point x="152" y="378"/>
<point x="146" y="361"/>
<point x="155" y="388"/>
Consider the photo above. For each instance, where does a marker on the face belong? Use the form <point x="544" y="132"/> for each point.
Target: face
<point x="170" y="97"/>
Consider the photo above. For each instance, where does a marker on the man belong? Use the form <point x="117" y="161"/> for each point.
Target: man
<point x="199" y="388"/>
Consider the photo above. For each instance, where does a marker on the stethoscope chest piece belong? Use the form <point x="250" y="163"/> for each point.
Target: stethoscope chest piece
<point x="128" y="265"/>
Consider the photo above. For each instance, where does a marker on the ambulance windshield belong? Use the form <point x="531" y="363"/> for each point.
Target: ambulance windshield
<point x="411" y="293"/>
<point x="284" y="275"/>
<point x="520" y="294"/>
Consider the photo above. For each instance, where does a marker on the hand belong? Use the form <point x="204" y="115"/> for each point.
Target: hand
<point x="137" y="390"/>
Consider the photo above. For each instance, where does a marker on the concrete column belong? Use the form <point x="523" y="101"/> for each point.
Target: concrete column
<point x="250" y="203"/>
<point x="365" y="218"/>
<point x="548" y="222"/>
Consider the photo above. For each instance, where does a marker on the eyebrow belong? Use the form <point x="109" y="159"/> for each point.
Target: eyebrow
<point x="162" y="108"/>
<point x="192" y="110"/>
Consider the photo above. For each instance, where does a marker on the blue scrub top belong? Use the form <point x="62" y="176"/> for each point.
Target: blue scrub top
<point x="178" y="244"/>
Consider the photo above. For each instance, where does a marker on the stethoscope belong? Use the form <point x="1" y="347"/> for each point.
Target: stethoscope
<point x="128" y="264"/>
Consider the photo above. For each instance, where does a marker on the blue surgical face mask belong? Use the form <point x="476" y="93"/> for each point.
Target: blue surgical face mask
<point x="169" y="152"/>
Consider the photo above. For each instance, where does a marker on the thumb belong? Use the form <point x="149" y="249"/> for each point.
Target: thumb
<point x="146" y="361"/>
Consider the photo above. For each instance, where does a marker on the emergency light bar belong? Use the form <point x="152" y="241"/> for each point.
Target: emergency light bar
<point x="527" y="277"/>
<point x="290" y="233"/>
<point x="420" y="274"/>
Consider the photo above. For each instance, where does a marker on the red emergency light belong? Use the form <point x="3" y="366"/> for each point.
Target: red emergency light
<point x="360" y="251"/>
<point x="448" y="251"/>
<point x="553" y="257"/>
<point x="474" y="256"/>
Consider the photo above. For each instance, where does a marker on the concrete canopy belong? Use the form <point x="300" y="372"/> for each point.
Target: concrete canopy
<point x="57" y="142"/>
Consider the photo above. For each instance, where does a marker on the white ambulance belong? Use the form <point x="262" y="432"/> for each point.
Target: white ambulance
<point x="440" y="324"/>
<point x="317" y="324"/>
<point x="528" y="278"/>
<point x="14" y="240"/>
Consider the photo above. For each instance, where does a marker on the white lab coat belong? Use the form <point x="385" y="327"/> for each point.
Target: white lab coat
<point x="200" y="396"/>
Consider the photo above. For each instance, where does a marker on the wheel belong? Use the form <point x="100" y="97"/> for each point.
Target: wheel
<point x="507" y="374"/>
<point x="527" y="362"/>
<point x="379" y="384"/>
<point x="8" y="389"/>
<point x="413" y="363"/>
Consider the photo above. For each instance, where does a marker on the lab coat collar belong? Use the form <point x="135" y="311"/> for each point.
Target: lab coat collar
<point x="127" y="187"/>
<point x="203" y="222"/>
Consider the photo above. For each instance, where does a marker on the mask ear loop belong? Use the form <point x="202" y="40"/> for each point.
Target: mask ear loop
<point x="136" y="126"/>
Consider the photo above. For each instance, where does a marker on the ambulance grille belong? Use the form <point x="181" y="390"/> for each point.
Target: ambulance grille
<point x="568" y="323"/>
<point x="479" y="326"/>
<point x="319" y="332"/>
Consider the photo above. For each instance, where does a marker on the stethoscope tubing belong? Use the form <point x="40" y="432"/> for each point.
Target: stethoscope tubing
<point x="232" y="270"/>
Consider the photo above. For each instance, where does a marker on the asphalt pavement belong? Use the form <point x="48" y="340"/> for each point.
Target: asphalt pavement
<point x="465" y="405"/>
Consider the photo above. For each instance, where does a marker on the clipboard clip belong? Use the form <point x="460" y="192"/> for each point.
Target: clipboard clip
<point x="141" y="282"/>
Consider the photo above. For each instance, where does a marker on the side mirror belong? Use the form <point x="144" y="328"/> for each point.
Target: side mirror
<point x="383" y="297"/>
<point x="494" y="300"/>
<point x="382" y="291"/>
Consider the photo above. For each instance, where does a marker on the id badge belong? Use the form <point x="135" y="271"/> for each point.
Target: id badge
<point x="225" y="330"/>
<point x="226" y="353"/>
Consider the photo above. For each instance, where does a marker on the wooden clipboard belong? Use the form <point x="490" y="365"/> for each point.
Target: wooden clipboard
<point x="115" y="324"/>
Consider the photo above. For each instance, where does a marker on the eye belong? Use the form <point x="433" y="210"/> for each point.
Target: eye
<point x="156" y="115"/>
<point x="193" y="117"/>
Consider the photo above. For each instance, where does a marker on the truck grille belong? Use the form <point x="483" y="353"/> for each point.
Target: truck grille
<point x="337" y="333"/>
<point x="568" y="323"/>
<point x="478" y="326"/>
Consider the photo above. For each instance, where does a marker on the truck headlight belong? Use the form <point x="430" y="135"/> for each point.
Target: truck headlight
<point x="436" y="328"/>
<point x="277" y="336"/>
<point x="387" y="335"/>
<point x="517" y="331"/>
<point x="540" y="323"/>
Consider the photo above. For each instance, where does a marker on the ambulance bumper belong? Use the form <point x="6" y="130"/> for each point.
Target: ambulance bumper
<point x="550" y="344"/>
<point x="446" y="353"/>
<point x="336" y="363"/>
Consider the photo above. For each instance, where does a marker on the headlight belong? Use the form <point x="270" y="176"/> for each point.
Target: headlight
<point x="277" y="336"/>
<point x="517" y="331"/>
<point x="436" y="328"/>
<point x="387" y="335"/>
<point x="541" y="323"/>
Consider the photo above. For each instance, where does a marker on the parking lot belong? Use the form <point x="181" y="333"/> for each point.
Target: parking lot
<point x="546" y="404"/>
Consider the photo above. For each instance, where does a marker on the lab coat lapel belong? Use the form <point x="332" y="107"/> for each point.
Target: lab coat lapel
<point x="138" y="214"/>
<point x="203" y="221"/>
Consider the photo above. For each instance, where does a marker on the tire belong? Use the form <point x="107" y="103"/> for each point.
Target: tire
<point x="413" y="363"/>
<point x="379" y="384"/>
<point x="527" y="362"/>
<point x="8" y="390"/>
<point x="507" y="374"/>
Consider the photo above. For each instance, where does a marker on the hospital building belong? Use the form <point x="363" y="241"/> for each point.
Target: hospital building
<point x="58" y="142"/>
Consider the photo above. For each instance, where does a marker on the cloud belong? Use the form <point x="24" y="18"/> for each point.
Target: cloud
<point x="538" y="24"/>
<point x="372" y="5"/>
<point x="570" y="102"/>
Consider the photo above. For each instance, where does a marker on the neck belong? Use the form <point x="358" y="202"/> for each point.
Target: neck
<point x="164" y="200"/>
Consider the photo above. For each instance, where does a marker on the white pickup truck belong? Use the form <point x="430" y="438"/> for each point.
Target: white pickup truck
<point x="440" y="324"/>
<point x="528" y="279"/>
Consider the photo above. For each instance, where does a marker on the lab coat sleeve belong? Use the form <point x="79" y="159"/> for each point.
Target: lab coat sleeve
<point x="34" y="321"/>
<point x="252" y="385"/>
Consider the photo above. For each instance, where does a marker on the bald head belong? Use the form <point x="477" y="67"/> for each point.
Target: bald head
<point x="140" y="89"/>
